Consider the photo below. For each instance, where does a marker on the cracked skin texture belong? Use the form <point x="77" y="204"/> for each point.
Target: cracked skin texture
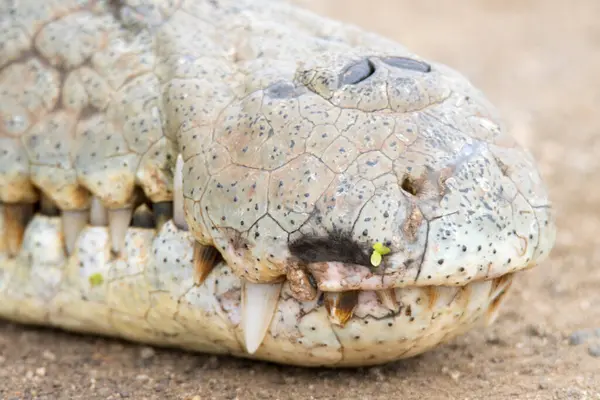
<point x="291" y="126"/>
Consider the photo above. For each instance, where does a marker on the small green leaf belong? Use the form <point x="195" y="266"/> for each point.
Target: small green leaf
<point x="376" y="258"/>
<point x="96" y="279"/>
<point x="381" y="249"/>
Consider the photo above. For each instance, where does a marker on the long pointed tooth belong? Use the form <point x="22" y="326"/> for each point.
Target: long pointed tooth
<point x="259" y="301"/>
<point x="118" y="222"/>
<point x="387" y="298"/>
<point x="498" y="292"/>
<point x="73" y="222"/>
<point x="98" y="213"/>
<point x="494" y="307"/>
<point x="178" y="213"/>
<point x="205" y="259"/>
<point x="340" y="306"/>
<point x="163" y="212"/>
<point x="16" y="218"/>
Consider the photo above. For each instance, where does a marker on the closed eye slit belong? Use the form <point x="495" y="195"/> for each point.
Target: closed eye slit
<point x="358" y="72"/>
<point x="407" y="63"/>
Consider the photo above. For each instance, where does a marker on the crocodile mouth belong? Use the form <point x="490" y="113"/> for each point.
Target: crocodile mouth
<point x="347" y="291"/>
<point x="258" y="309"/>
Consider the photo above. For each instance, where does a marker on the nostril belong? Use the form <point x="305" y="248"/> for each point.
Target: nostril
<point x="358" y="72"/>
<point x="407" y="63"/>
<point x="409" y="185"/>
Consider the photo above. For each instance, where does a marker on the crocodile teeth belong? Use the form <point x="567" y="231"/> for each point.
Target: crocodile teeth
<point x="118" y="222"/>
<point x="73" y="222"/>
<point x="388" y="299"/>
<point x="178" y="213"/>
<point x="205" y="259"/>
<point x="98" y="213"/>
<point x="340" y="306"/>
<point x="500" y="287"/>
<point x="259" y="301"/>
<point x="16" y="218"/>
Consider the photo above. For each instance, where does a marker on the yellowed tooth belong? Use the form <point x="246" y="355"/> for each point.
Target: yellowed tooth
<point x="498" y="292"/>
<point x="205" y="259"/>
<point x="73" y="222"/>
<point x="387" y="298"/>
<point x="163" y="212"/>
<point x="118" y="222"/>
<point x="16" y="218"/>
<point x="259" y="302"/>
<point x="98" y="213"/>
<point x="340" y="306"/>
<point x="178" y="212"/>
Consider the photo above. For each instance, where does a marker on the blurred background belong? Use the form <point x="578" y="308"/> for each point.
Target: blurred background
<point x="538" y="61"/>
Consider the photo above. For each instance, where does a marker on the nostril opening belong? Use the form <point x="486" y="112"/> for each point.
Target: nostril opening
<point x="409" y="185"/>
<point x="407" y="63"/>
<point x="358" y="72"/>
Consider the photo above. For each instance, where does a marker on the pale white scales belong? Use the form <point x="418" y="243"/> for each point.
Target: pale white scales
<point x="247" y="178"/>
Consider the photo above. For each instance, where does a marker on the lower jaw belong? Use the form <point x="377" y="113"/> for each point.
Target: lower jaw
<point x="149" y="295"/>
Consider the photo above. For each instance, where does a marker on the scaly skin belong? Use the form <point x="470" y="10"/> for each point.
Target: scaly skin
<point x="284" y="143"/>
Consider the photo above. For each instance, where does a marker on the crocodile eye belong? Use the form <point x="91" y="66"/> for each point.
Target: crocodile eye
<point x="407" y="63"/>
<point x="358" y="72"/>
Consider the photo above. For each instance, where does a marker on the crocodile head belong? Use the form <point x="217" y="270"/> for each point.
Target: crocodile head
<point x="248" y="178"/>
<point x="317" y="166"/>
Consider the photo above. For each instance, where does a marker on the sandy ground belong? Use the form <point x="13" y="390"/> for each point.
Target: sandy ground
<point x="539" y="61"/>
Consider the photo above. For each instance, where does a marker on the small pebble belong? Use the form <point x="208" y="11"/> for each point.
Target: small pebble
<point x="377" y="373"/>
<point x="48" y="355"/>
<point x="211" y="363"/>
<point x="40" y="371"/>
<point x="579" y="337"/>
<point x="147" y="353"/>
<point x="594" y="350"/>
<point x="544" y="384"/>
<point x="492" y="338"/>
<point x="537" y="330"/>
<point x="455" y="375"/>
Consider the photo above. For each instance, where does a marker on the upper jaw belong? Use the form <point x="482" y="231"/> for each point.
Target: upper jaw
<point x="335" y="276"/>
